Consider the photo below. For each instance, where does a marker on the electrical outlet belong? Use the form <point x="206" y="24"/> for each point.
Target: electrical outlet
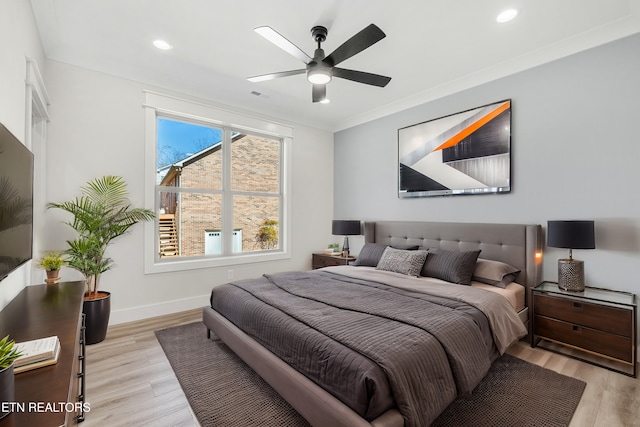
<point x="229" y="274"/>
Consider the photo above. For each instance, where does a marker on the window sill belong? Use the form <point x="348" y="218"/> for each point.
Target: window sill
<point x="181" y="264"/>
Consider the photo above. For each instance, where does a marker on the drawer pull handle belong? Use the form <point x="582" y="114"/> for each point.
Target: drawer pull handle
<point x="576" y="328"/>
<point x="577" y="305"/>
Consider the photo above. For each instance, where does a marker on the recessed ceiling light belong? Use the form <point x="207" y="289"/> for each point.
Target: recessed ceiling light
<point x="163" y="45"/>
<point x="325" y="101"/>
<point x="507" y="15"/>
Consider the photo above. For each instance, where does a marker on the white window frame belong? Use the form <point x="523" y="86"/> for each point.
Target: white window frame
<point x="157" y="104"/>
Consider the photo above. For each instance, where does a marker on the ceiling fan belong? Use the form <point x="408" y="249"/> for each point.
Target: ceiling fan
<point x="321" y="69"/>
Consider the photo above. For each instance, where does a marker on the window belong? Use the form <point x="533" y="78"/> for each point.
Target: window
<point x="218" y="186"/>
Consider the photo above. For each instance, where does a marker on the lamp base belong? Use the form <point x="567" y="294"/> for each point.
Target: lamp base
<point x="345" y="247"/>
<point x="571" y="275"/>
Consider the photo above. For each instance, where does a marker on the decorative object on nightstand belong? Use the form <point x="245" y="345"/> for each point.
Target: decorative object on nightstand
<point x="571" y="235"/>
<point x="332" y="249"/>
<point x="345" y="228"/>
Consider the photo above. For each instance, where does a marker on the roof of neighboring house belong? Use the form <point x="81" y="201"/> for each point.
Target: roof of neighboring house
<point x="166" y="173"/>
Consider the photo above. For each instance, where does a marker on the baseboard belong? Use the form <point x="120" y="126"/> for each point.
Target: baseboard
<point x="154" y="310"/>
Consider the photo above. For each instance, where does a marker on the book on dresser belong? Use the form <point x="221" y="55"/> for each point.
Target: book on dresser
<point x="37" y="353"/>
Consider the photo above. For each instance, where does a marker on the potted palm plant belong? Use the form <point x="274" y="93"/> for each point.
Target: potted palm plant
<point x="101" y="214"/>
<point x="52" y="262"/>
<point x="8" y="354"/>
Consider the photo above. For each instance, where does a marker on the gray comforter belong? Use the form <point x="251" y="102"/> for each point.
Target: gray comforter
<point x="371" y="345"/>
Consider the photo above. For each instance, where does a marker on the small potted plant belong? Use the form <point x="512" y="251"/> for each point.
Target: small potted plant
<point x="332" y="249"/>
<point x="8" y="354"/>
<point x="52" y="262"/>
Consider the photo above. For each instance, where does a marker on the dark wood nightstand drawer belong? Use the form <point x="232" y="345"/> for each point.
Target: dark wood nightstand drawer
<point x="321" y="260"/>
<point x="600" y="317"/>
<point x="616" y="346"/>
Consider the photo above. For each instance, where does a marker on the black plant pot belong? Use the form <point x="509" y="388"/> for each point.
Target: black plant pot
<point x="6" y="390"/>
<point x="96" y="313"/>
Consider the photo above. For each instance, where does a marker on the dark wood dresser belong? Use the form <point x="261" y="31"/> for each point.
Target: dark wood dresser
<point x="52" y="395"/>
<point x="597" y="322"/>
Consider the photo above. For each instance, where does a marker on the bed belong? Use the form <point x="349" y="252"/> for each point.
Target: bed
<point x="516" y="245"/>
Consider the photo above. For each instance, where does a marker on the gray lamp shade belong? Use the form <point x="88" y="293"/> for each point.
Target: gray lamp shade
<point x="345" y="227"/>
<point x="571" y="234"/>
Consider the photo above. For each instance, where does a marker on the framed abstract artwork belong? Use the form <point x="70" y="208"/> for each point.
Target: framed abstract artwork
<point x="463" y="153"/>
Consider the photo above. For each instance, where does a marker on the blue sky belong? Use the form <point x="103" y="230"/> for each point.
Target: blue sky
<point x="178" y="140"/>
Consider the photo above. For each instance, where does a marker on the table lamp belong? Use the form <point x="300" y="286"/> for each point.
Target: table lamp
<point x="345" y="228"/>
<point x="571" y="235"/>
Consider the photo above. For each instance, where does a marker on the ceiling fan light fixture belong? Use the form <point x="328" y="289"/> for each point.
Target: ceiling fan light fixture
<point x="321" y="69"/>
<point x="319" y="76"/>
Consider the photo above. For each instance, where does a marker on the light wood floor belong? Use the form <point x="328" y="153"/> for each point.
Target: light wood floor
<point x="130" y="381"/>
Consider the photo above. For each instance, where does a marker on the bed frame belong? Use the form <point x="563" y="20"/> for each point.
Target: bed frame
<point x="517" y="244"/>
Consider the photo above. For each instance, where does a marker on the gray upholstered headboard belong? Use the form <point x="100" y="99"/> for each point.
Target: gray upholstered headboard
<point x="519" y="245"/>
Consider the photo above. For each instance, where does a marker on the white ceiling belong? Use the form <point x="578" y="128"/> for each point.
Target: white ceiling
<point x="433" y="47"/>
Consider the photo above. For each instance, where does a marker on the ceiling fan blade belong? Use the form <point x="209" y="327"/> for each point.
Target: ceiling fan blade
<point x="361" y="77"/>
<point x="356" y="44"/>
<point x="276" y="38"/>
<point x="265" y="77"/>
<point x="319" y="93"/>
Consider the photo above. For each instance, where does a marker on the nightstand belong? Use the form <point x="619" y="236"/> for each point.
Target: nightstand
<point x="321" y="260"/>
<point x="599" y="323"/>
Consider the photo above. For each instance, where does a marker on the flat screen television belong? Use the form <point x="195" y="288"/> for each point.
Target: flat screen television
<point x="463" y="153"/>
<point x="16" y="203"/>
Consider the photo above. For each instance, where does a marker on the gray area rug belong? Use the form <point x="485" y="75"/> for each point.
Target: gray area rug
<point x="223" y="391"/>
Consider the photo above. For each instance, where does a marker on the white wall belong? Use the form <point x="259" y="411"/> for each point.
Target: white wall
<point x="575" y="154"/>
<point x="97" y="128"/>
<point x="18" y="40"/>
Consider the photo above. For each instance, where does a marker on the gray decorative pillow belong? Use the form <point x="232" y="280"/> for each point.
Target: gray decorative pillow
<point x="402" y="261"/>
<point x="371" y="253"/>
<point x="452" y="266"/>
<point x="494" y="273"/>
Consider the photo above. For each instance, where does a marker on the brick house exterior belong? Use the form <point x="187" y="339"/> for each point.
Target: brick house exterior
<point x="255" y="168"/>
